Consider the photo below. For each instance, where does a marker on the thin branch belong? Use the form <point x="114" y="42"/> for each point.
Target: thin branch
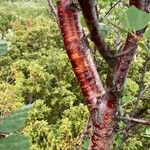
<point x="142" y="121"/>
<point x="145" y="97"/>
<point x="108" y="12"/>
<point x="141" y="97"/>
<point x="147" y="59"/>
<point x="4" y="134"/>
<point x="85" y="132"/>
<point x="90" y="15"/>
<point x="53" y="10"/>
<point x="131" y="125"/>
<point x="124" y="62"/>
<point x="142" y="89"/>
<point x="121" y="54"/>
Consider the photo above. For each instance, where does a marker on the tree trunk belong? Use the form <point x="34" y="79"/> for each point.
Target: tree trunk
<point x="79" y="54"/>
<point x="102" y="104"/>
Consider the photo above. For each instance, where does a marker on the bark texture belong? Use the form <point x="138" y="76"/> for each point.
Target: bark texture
<point x="79" y="54"/>
<point x="102" y="104"/>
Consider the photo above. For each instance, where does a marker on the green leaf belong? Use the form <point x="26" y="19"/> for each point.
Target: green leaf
<point x="126" y="99"/>
<point x="3" y="47"/>
<point x="148" y="131"/>
<point x="144" y="47"/>
<point x="15" y="142"/>
<point x="118" y="140"/>
<point x="147" y="34"/>
<point x="15" y="121"/>
<point x="86" y="144"/>
<point x="83" y="22"/>
<point x="104" y="30"/>
<point x="134" y="19"/>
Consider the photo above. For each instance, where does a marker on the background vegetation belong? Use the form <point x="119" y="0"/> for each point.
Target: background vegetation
<point x="36" y="71"/>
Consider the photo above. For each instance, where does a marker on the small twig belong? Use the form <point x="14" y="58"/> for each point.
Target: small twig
<point x="122" y="53"/>
<point x="142" y="121"/>
<point x="116" y="26"/>
<point x="131" y="125"/>
<point x="145" y="89"/>
<point x="140" y="92"/>
<point x="85" y="132"/>
<point x="53" y="10"/>
<point x="142" y="89"/>
<point x="145" y="97"/>
<point x="135" y="99"/>
<point x="108" y="12"/>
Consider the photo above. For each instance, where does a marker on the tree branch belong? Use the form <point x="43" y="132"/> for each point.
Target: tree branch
<point x="124" y="62"/>
<point x="79" y="54"/>
<point x="142" y="121"/>
<point x="85" y="132"/>
<point x="131" y="125"/>
<point x="135" y="99"/>
<point x="53" y="10"/>
<point x="90" y="15"/>
<point x="141" y="88"/>
<point x="112" y="7"/>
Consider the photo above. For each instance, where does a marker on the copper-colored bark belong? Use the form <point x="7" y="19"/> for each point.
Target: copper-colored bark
<point x="102" y="104"/>
<point x="85" y="70"/>
<point x="79" y="54"/>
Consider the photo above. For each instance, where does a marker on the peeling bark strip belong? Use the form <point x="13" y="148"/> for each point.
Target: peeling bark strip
<point x="79" y="54"/>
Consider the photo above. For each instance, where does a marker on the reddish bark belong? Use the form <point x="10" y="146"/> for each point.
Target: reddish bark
<point x="85" y="71"/>
<point x="102" y="104"/>
<point x="94" y="28"/>
<point x="79" y="54"/>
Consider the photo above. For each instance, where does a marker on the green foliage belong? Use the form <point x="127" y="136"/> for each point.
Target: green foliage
<point x="85" y="144"/>
<point x="38" y="133"/>
<point x="143" y="46"/>
<point x="15" y="121"/>
<point x="15" y="141"/>
<point x="148" y="132"/>
<point x="10" y="98"/>
<point x="36" y="70"/>
<point x="130" y="14"/>
<point x="61" y="135"/>
<point x="65" y="134"/>
<point x="134" y="144"/>
<point x="3" y="47"/>
<point x="10" y="126"/>
<point x="130" y="90"/>
<point x="118" y="141"/>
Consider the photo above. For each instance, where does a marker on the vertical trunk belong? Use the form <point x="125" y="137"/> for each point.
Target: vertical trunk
<point x="102" y="113"/>
<point x="102" y="104"/>
<point x="79" y="54"/>
<point x="104" y="123"/>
